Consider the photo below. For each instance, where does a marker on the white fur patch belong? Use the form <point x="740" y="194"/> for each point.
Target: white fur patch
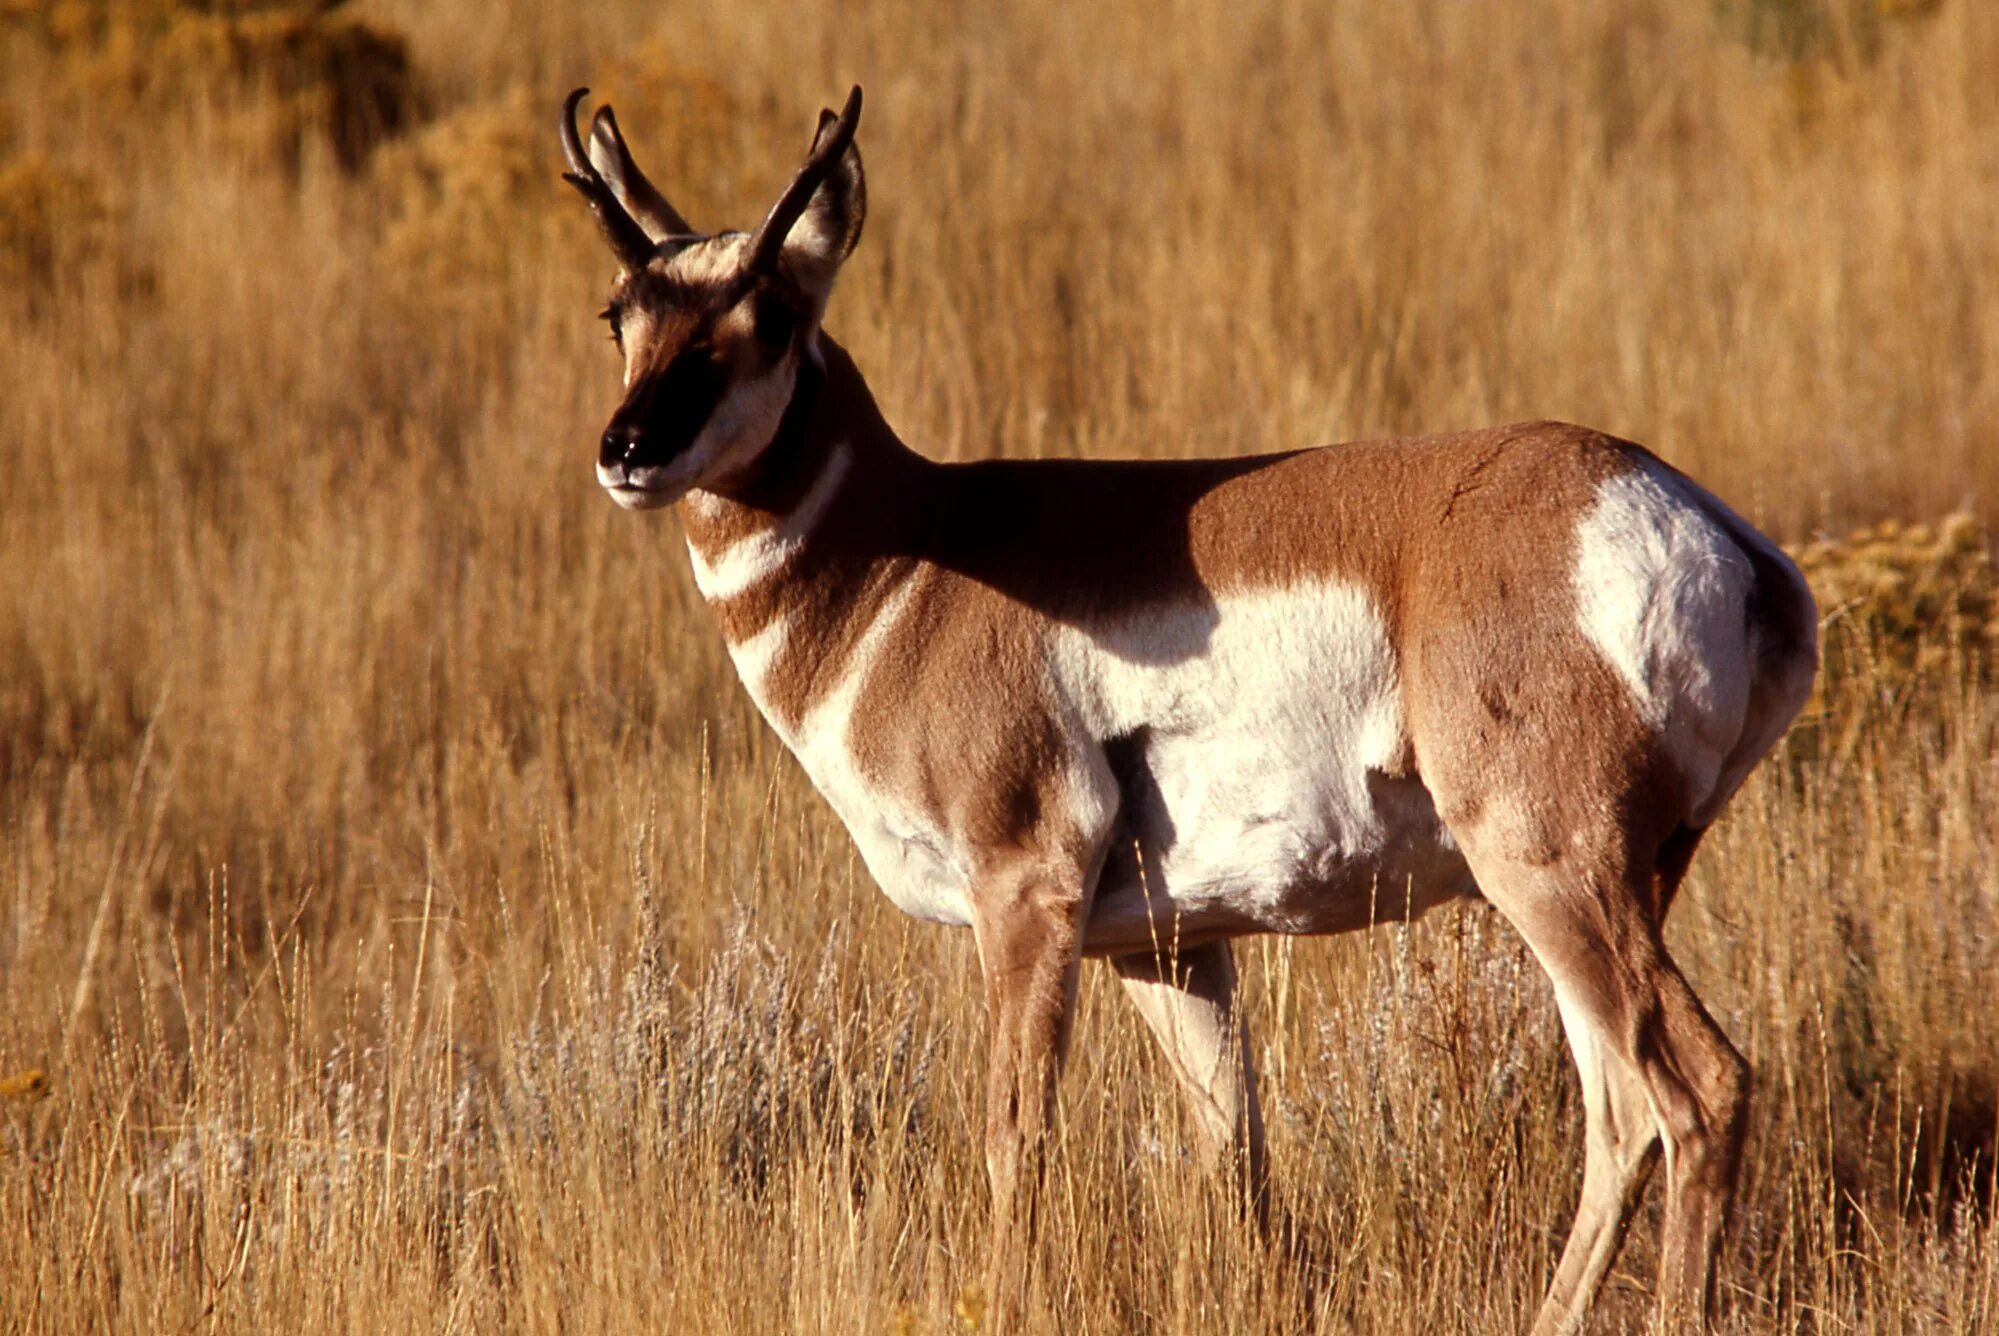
<point x="917" y="864"/>
<point x="1662" y="593"/>
<point x="813" y="244"/>
<point x="754" y="655"/>
<point x="714" y="261"/>
<point x="634" y="329"/>
<point x="1789" y="662"/>
<point x="755" y="558"/>
<point x="1267" y="719"/>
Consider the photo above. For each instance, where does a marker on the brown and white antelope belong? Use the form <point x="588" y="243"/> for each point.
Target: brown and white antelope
<point x="1083" y="707"/>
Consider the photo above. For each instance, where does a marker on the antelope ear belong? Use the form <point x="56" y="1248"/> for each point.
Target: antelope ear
<point x="830" y="227"/>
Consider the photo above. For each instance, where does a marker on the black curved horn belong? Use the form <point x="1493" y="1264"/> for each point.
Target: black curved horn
<point x="628" y="240"/>
<point x="768" y="242"/>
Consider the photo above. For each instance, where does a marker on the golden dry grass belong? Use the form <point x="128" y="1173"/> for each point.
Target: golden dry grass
<point x="407" y="923"/>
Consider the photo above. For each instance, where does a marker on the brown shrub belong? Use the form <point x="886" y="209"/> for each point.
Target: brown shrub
<point x="464" y="194"/>
<point x="340" y="77"/>
<point x="275" y="80"/>
<point x="1906" y="597"/>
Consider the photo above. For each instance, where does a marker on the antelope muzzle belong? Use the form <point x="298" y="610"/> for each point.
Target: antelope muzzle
<point x="647" y="455"/>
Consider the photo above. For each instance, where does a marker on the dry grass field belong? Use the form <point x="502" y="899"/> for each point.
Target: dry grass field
<point x="405" y="922"/>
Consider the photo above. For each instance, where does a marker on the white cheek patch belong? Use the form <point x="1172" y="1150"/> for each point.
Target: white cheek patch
<point x="749" y="561"/>
<point x="744" y="422"/>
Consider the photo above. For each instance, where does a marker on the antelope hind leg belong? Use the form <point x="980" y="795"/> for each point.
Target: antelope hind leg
<point x="1647" y="1051"/>
<point x="1188" y="1000"/>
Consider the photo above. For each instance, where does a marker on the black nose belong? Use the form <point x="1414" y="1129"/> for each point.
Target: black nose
<point x="620" y="443"/>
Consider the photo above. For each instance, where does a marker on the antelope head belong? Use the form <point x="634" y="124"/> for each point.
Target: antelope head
<point x="713" y="328"/>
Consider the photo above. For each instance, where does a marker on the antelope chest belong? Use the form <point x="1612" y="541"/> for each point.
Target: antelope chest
<point x="922" y="866"/>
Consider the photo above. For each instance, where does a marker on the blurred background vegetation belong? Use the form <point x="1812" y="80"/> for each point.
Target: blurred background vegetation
<point x="403" y="912"/>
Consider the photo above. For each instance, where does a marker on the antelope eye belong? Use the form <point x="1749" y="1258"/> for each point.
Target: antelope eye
<point x="615" y="318"/>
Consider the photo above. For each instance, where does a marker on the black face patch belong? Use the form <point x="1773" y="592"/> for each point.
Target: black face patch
<point x="666" y="409"/>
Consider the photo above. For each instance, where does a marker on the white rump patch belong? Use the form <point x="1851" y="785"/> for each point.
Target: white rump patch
<point x="1662" y="593"/>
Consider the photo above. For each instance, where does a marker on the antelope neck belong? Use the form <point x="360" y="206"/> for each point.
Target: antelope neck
<point x="791" y="526"/>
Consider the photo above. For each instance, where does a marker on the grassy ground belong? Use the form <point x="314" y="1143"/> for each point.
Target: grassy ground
<point x="413" y="924"/>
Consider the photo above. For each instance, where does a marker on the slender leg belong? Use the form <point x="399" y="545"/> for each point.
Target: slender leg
<point x="1028" y="924"/>
<point x="1676" y="855"/>
<point x="1189" y="1004"/>
<point x="1700" y="1086"/>
<point x="1643" y="1044"/>
<point x="1702" y="1170"/>
<point x="1621" y="1146"/>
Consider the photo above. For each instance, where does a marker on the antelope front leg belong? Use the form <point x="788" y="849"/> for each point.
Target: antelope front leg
<point x="1028" y="922"/>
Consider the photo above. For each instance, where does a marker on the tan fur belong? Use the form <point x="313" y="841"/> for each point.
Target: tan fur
<point x="1460" y="539"/>
<point x="1121" y="534"/>
<point x="924" y="606"/>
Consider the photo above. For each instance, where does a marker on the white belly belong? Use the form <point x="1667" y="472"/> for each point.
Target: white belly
<point x="1256" y="742"/>
<point x="1265" y="728"/>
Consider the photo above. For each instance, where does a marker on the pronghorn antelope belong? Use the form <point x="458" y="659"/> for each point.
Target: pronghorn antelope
<point x="1082" y="707"/>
